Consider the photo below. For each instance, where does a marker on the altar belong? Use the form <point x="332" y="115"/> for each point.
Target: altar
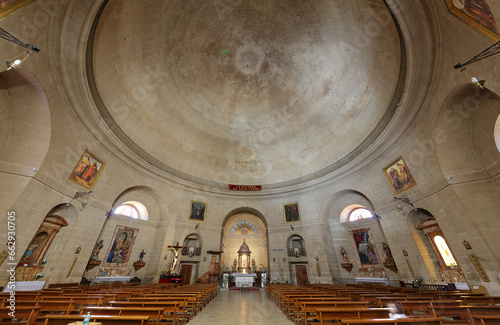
<point x="101" y="279"/>
<point x="244" y="279"/>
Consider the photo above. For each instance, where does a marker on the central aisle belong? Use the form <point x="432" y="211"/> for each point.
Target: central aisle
<point x="241" y="308"/>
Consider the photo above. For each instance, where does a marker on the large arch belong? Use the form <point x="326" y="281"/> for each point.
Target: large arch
<point x="467" y="153"/>
<point x="25" y="132"/>
<point x="253" y="217"/>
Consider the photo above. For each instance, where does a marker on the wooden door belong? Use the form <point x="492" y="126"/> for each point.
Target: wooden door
<point x="301" y="274"/>
<point x="186" y="270"/>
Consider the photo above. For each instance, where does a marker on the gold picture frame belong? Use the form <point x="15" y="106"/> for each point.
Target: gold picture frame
<point x="87" y="170"/>
<point x="198" y="211"/>
<point x="477" y="14"/>
<point x="399" y="176"/>
<point x="291" y="212"/>
<point x="9" y="6"/>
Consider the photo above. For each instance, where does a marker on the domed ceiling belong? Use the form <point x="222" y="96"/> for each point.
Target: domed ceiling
<point x="246" y="91"/>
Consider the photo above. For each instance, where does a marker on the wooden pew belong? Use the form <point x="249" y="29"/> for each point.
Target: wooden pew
<point x="188" y="306"/>
<point x="46" y="307"/>
<point x="307" y="309"/>
<point x="336" y="314"/>
<point x="172" y="311"/>
<point x="154" y="313"/>
<point x="487" y="319"/>
<point x="383" y="301"/>
<point x="294" y="303"/>
<point x="463" y="314"/>
<point x="409" y="321"/>
<point x="421" y="308"/>
<point x="482" y="300"/>
<point x="104" y="319"/>
<point x="28" y="314"/>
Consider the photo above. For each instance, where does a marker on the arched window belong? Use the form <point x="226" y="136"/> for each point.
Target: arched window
<point x="497" y="133"/>
<point x="132" y="209"/>
<point x="127" y="210"/>
<point x="444" y="250"/>
<point x="359" y="213"/>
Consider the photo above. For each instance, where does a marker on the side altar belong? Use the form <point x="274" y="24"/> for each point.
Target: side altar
<point x="244" y="279"/>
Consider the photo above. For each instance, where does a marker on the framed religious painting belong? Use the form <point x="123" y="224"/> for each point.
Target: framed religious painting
<point x="480" y="14"/>
<point x="365" y="247"/>
<point x="198" y="211"/>
<point x="291" y="212"/>
<point x="87" y="170"/>
<point x="121" y="245"/>
<point x="399" y="176"/>
<point x="9" y="6"/>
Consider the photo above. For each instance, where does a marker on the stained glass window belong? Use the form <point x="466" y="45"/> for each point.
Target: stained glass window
<point x="359" y="213"/>
<point x="127" y="210"/>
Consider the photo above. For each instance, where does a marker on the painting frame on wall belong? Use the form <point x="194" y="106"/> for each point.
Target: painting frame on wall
<point x="9" y="6"/>
<point x="399" y="176"/>
<point x="365" y="247"/>
<point x="120" y="247"/>
<point x="291" y="212"/>
<point x="477" y="15"/>
<point x="87" y="170"/>
<point x="198" y="211"/>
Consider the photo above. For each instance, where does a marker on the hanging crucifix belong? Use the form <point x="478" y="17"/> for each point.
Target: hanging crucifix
<point x="177" y="249"/>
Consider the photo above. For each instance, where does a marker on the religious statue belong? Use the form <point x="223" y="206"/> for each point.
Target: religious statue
<point x="141" y="256"/>
<point x="97" y="249"/>
<point x="387" y="252"/>
<point x="344" y="255"/>
<point x="177" y="251"/>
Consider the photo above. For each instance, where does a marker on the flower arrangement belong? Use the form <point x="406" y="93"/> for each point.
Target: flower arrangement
<point x="166" y="273"/>
<point x="417" y="279"/>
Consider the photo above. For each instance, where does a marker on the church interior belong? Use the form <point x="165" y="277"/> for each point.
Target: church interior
<point x="310" y="142"/>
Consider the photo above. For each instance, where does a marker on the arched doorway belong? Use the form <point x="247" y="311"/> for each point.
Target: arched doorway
<point x="249" y="226"/>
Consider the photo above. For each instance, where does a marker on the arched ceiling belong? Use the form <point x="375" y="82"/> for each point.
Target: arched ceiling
<point x="246" y="91"/>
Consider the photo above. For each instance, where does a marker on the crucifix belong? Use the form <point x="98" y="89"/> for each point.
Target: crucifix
<point x="177" y="249"/>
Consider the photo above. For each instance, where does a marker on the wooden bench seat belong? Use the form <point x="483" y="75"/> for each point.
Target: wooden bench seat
<point x="47" y="307"/>
<point x="173" y="311"/>
<point x="487" y="319"/>
<point x="154" y="313"/>
<point x="336" y="314"/>
<point x="481" y="300"/>
<point x="462" y="314"/>
<point x="412" y="321"/>
<point x="307" y="309"/>
<point x="104" y="319"/>
<point x="23" y="315"/>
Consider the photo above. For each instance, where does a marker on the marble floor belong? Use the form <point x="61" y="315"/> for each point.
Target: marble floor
<point x="241" y="308"/>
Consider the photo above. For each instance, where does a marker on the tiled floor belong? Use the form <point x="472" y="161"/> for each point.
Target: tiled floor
<point x="241" y="308"/>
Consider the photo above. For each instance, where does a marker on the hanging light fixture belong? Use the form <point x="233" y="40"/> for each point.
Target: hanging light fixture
<point x="15" y="62"/>
<point x="478" y="83"/>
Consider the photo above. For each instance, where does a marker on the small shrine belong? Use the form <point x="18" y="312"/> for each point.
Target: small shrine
<point x="244" y="258"/>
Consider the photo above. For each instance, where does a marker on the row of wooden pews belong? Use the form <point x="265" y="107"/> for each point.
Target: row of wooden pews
<point x="368" y="304"/>
<point x="128" y="305"/>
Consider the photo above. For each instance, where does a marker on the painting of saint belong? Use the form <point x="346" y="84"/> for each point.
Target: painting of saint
<point x="198" y="211"/>
<point x="476" y="13"/>
<point x="399" y="176"/>
<point x="291" y="212"/>
<point x="87" y="170"/>
<point x="121" y="245"/>
<point x="365" y="248"/>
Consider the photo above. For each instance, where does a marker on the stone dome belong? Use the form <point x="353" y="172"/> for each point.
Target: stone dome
<point x="245" y="92"/>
